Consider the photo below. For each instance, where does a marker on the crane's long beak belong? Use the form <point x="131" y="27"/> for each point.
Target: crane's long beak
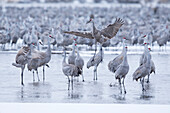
<point x="40" y="42"/>
<point x="88" y="21"/>
<point x="144" y="36"/>
<point x="51" y="36"/>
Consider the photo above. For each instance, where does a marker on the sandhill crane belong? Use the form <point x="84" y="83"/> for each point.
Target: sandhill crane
<point x="21" y="60"/>
<point x="122" y="70"/>
<point x="4" y="39"/>
<point x="113" y="64"/>
<point x="143" y="58"/>
<point x="95" y="61"/>
<point x="100" y="36"/>
<point x="53" y="41"/>
<point x="69" y="70"/>
<point x="34" y="59"/>
<point x="72" y="56"/>
<point x="143" y="70"/>
<point x="34" y="38"/>
<point x="46" y="57"/>
<point x="79" y="62"/>
<point x="164" y="36"/>
<point x="14" y="34"/>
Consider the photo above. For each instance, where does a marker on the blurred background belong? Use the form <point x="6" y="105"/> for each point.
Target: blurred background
<point x="85" y="1"/>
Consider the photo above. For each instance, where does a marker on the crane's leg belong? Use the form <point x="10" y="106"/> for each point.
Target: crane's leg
<point x="124" y="85"/>
<point x="120" y="87"/>
<point x="72" y="82"/>
<point x="148" y="79"/>
<point x="33" y="76"/>
<point x="43" y="73"/>
<point x="143" y="89"/>
<point x="95" y="49"/>
<point x="22" y="71"/>
<point x="68" y="83"/>
<point x="82" y="76"/>
<point x="94" y="72"/>
<point x="38" y="75"/>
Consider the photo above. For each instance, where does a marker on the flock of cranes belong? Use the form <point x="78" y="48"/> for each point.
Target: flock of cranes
<point x="136" y="26"/>
<point x="16" y="24"/>
<point x="33" y="58"/>
<point x="74" y="68"/>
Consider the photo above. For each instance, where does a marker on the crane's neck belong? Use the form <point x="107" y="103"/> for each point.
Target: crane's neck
<point x="49" y="47"/>
<point x="124" y="49"/>
<point x="148" y="57"/>
<point x="93" y="28"/>
<point x="146" y="48"/>
<point x="64" y="60"/>
<point x="73" y="52"/>
<point x="125" y="58"/>
<point x="78" y="55"/>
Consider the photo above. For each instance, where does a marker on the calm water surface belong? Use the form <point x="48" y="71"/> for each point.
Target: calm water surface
<point x="54" y="89"/>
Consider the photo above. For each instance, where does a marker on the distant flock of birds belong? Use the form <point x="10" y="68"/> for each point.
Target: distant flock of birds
<point x="18" y="23"/>
<point x="33" y="58"/>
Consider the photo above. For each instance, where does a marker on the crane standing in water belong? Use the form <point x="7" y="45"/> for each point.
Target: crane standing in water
<point x="70" y="70"/>
<point x="143" y="70"/>
<point x="21" y="60"/>
<point x="122" y="71"/>
<point x="95" y="61"/>
<point x="79" y="62"/>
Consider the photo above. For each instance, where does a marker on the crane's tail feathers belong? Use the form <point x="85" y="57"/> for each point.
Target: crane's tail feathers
<point x="79" y="71"/>
<point x="16" y="65"/>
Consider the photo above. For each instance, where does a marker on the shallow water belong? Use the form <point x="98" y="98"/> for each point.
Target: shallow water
<point x="54" y="89"/>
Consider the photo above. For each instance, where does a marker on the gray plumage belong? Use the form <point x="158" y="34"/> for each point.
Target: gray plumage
<point x="144" y="59"/>
<point x="34" y="60"/>
<point x="113" y="64"/>
<point x="21" y="60"/>
<point x="69" y="70"/>
<point x="79" y="62"/>
<point x="100" y="36"/>
<point x="95" y="61"/>
<point x="143" y="70"/>
<point x="164" y="36"/>
<point x="122" y="70"/>
<point x="110" y="31"/>
<point x="72" y="56"/>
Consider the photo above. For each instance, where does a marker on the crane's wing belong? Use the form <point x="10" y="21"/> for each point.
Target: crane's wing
<point x="81" y="34"/>
<point x="111" y="30"/>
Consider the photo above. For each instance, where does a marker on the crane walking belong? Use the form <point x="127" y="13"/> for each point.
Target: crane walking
<point x="95" y="61"/>
<point x="70" y="70"/>
<point x="122" y="71"/>
<point x="79" y="62"/>
<point x="143" y="70"/>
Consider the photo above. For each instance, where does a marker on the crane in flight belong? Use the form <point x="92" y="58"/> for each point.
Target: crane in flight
<point x="102" y="35"/>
